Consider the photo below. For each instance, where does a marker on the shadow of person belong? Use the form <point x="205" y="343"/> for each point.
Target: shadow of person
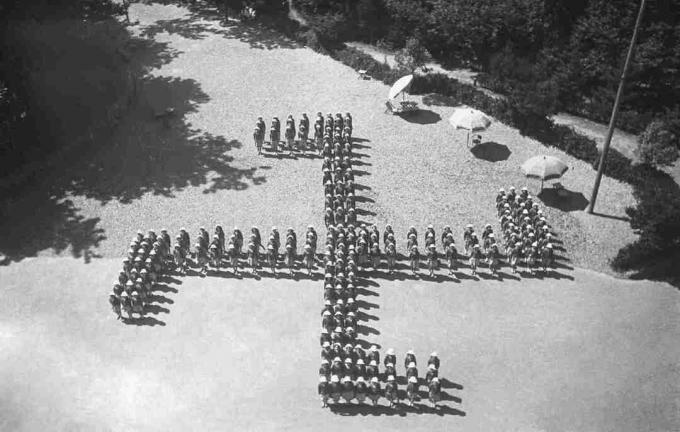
<point x="363" y="304"/>
<point x="155" y="309"/>
<point x="144" y="321"/>
<point x="160" y="299"/>
<point x="447" y="410"/>
<point x="503" y="275"/>
<point x="557" y="275"/>
<point x="448" y="384"/>
<point x="363" y="316"/>
<point x="164" y="288"/>
<point x="366" y="292"/>
<point x="346" y="409"/>
<point x="169" y="279"/>
<point x="367" y="282"/>
<point x="448" y="397"/>
<point x="367" y="330"/>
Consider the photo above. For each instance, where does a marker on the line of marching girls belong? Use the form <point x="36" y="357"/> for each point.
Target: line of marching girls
<point x="229" y="252"/>
<point x="349" y="373"/>
<point x="324" y="134"/>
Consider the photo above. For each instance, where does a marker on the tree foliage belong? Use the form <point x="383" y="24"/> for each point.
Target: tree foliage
<point x="413" y="56"/>
<point x="659" y="144"/>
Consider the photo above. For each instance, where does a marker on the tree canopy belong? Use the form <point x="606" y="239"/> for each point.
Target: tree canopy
<point x="569" y="53"/>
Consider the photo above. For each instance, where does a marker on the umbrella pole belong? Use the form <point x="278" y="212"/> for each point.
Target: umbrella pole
<point x="468" y="139"/>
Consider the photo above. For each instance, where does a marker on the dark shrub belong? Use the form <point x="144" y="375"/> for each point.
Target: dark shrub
<point x="659" y="144"/>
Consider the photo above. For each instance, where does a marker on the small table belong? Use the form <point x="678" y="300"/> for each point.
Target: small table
<point x="408" y="105"/>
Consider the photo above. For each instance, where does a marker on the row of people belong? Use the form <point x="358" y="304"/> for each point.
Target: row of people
<point x="220" y="250"/>
<point x="324" y="133"/>
<point x="354" y="379"/>
<point x="532" y="245"/>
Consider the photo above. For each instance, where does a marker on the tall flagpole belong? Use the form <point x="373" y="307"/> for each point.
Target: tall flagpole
<point x="615" y="110"/>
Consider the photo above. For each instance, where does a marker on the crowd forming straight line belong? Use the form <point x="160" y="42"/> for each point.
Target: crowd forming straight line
<point x="361" y="284"/>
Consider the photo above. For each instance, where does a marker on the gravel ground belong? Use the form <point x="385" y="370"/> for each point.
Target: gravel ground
<point x="410" y="172"/>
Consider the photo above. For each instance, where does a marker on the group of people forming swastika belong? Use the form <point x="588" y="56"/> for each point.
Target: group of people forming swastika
<point x="526" y="235"/>
<point x="327" y="132"/>
<point x="349" y="372"/>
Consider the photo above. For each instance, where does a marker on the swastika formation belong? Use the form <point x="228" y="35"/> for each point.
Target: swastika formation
<point x="350" y="366"/>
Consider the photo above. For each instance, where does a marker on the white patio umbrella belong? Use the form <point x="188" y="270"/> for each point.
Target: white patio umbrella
<point x="544" y="167"/>
<point x="400" y="86"/>
<point x="470" y="119"/>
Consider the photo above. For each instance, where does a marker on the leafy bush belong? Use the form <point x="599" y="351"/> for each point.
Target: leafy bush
<point x="412" y="56"/>
<point x="657" y="219"/>
<point x="658" y="144"/>
<point x="330" y="28"/>
<point x="440" y="100"/>
<point x="311" y="39"/>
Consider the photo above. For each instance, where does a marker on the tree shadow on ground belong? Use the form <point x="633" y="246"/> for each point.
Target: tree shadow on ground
<point x="421" y="116"/>
<point x="204" y="19"/>
<point x="662" y="268"/>
<point x="41" y="221"/>
<point x="144" y="321"/>
<point x="491" y="151"/>
<point x="158" y="155"/>
<point x="150" y="148"/>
